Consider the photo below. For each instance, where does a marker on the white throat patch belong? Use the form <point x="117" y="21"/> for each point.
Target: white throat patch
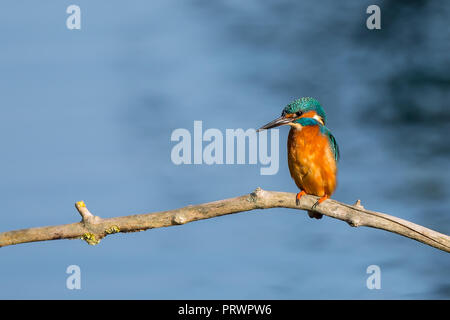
<point x="318" y="119"/>
<point x="297" y="126"/>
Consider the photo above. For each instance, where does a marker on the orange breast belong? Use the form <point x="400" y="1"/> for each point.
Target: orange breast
<point x="311" y="161"/>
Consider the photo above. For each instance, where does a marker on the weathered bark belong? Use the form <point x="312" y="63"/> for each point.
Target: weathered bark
<point x="93" y="228"/>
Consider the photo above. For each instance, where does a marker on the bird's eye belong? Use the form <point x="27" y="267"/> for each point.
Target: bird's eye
<point x="299" y="113"/>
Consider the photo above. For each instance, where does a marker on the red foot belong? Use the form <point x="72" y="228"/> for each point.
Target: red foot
<point x="325" y="197"/>
<point x="299" y="195"/>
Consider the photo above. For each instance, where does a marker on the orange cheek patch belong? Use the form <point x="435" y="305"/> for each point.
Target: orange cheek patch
<point x="309" y="114"/>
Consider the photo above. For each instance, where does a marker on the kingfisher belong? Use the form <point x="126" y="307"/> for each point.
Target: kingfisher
<point x="313" y="152"/>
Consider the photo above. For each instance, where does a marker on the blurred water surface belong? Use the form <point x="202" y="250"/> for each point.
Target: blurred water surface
<point x="88" y="115"/>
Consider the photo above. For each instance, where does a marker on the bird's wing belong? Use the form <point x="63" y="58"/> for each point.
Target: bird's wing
<point x="333" y="143"/>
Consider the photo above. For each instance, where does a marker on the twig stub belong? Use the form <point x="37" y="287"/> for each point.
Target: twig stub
<point x="93" y="228"/>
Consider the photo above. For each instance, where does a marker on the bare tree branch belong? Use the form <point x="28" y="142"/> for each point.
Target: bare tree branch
<point x="93" y="228"/>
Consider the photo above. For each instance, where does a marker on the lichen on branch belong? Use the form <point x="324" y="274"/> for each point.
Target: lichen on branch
<point x="92" y="228"/>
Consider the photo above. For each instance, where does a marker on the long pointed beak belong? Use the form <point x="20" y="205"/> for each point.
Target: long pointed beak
<point x="275" y="123"/>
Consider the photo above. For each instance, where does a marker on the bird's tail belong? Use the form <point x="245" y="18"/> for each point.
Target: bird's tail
<point x="315" y="215"/>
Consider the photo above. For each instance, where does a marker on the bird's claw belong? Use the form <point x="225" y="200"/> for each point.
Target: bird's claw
<point x="299" y="195"/>
<point x="314" y="206"/>
<point x="319" y="202"/>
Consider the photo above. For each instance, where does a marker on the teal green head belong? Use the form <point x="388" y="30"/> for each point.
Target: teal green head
<point x="299" y="108"/>
<point x="303" y="106"/>
<point x="305" y="112"/>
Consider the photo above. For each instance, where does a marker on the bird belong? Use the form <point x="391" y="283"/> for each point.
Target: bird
<point x="313" y="152"/>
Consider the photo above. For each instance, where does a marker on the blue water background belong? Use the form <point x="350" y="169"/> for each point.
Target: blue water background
<point x="88" y="114"/>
